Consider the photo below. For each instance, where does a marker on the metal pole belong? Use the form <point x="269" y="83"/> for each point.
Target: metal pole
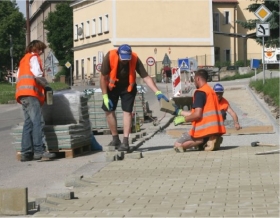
<point x="263" y="61"/>
<point x="27" y="23"/>
<point x="255" y="74"/>
<point x="71" y="76"/>
<point x="12" y="60"/>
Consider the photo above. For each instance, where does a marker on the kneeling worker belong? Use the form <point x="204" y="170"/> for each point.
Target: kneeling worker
<point x="206" y="118"/>
<point x="225" y="106"/>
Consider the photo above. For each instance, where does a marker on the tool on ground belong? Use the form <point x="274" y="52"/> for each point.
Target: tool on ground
<point x="268" y="152"/>
<point x="254" y="144"/>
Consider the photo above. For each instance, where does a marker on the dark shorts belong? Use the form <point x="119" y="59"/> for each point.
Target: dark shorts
<point x="186" y="137"/>
<point x="127" y="98"/>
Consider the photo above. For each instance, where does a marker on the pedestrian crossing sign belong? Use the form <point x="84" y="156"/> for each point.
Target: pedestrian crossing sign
<point x="183" y="64"/>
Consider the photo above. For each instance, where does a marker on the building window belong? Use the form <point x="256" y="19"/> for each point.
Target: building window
<point x="106" y="23"/>
<point x="93" y="29"/>
<point x="227" y="55"/>
<point x="83" y="68"/>
<point x="100" y="25"/>
<point x="94" y="65"/>
<point x="87" y="29"/>
<point x="217" y="54"/>
<point x="81" y="31"/>
<point x="216" y="22"/>
<point x="77" y="69"/>
<point x="226" y="17"/>
<point x="76" y="32"/>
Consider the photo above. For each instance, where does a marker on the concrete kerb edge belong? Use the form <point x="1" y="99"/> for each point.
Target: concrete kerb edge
<point x="141" y="142"/>
<point x="265" y="110"/>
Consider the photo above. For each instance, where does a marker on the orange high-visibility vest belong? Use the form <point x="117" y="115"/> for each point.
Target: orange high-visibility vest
<point x="223" y="103"/>
<point x="211" y="122"/>
<point x="26" y="84"/>
<point x="114" y="59"/>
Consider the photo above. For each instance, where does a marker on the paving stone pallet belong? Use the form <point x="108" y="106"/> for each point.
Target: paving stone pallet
<point x="67" y="153"/>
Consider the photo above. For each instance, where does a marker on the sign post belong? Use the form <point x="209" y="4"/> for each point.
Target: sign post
<point x="68" y="65"/>
<point x="263" y="29"/>
<point x="254" y="64"/>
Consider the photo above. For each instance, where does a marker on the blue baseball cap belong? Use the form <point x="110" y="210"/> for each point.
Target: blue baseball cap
<point x="218" y="88"/>
<point x="125" y="52"/>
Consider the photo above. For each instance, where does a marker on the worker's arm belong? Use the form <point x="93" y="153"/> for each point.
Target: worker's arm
<point x="185" y="113"/>
<point x="150" y="83"/>
<point x="103" y="83"/>
<point x="234" y="117"/>
<point x="196" y="115"/>
<point x="187" y="116"/>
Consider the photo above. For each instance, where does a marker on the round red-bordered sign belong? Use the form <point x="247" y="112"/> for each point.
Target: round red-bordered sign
<point x="150" y="61"/>
<point x="98" y="67"/>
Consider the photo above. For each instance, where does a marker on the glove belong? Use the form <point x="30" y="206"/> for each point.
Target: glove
<point x="107" y="102"/>
<point x="177" y="110"/>
<point x="178" y="120"/>
<point x="160" y="96"/>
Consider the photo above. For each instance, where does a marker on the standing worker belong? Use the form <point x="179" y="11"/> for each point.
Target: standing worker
<point x="225" y="106"/>
<point x="30" y="93"/>
<point x="206" y="118"/>
<point x="118" y="80"/>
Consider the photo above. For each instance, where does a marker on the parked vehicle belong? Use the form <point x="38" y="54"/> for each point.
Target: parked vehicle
<point x="213" y="72"/>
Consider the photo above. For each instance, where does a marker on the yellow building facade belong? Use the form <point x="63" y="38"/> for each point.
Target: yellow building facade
<point x="154" y="28"/>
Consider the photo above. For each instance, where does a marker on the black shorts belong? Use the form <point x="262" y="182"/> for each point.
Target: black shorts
<point x="127" y="98"/>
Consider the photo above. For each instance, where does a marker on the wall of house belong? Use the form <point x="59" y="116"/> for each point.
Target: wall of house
<point x="254" y="50"/>
<point x="40" y="12"/>
<point x="165" y="26"/>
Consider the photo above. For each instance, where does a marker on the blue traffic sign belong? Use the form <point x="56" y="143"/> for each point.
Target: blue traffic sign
<point x="255" y="63"/>
<point x="183" y="64"/>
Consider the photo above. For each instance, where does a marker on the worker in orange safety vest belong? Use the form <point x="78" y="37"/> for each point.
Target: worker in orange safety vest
<point x="118" y="80"/>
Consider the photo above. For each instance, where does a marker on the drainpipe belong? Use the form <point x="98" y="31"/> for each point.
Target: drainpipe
<point x="234" y="39"/>
<point x="27" y="23"/>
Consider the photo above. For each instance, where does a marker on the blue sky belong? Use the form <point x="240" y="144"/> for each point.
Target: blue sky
<point x="21" y="4"/>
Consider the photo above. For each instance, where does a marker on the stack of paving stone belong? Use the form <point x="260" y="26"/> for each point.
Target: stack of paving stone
<point x="67" y="124"/>
<point x="97" y="116"/>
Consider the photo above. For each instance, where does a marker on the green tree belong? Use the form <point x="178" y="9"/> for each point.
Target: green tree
<point x="12" y="22"/>
<point x="61" y="42"/>
<point x="273" y="6"/>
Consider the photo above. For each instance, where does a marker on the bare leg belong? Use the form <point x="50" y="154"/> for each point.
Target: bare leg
<point x="112" y="122"/>
<point x="126" y="123"/>
<point x="189" y="144"/>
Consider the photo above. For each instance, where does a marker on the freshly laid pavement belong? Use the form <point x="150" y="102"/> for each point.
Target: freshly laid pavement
<point x="231" y="182"/>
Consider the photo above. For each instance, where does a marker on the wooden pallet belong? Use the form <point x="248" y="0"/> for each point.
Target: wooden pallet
<point x="106" y="131"/>
<point x="67" y="153"/>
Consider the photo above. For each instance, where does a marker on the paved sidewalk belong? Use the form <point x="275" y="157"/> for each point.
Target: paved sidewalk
<point x="231" y="182"/>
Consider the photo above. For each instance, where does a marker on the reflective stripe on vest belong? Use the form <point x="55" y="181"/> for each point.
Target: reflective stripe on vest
<point x="212" y="120"/>
<point x="114" y="60"/>
<point x="26" y="83"/>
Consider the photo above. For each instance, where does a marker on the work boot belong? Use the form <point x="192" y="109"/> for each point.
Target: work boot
<point x="214" y="143"/>
<point x="26" y="157"/>
<point x="46" y="154"/>
<point x="179" y="149"/>
<point x="123" y="147"/>
<point x="115" y="144"/>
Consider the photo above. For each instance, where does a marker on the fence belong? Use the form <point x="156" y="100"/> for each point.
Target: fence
<point x="206" y="60"/>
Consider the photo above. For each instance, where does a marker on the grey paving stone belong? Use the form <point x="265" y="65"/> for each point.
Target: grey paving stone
<point x="13" y="201"/>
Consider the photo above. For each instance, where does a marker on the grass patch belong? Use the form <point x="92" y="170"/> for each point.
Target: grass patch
<point x="238" y="76"/>
<point x="7" y="90"/>
<point x="270" y="88"/>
